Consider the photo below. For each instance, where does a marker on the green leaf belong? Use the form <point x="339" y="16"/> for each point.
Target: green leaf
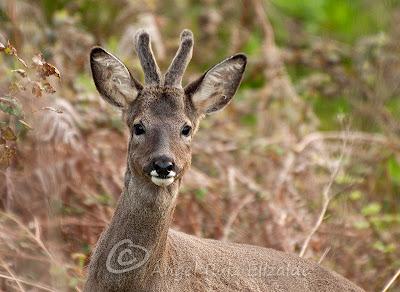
<point x="355" y="195"/>
<point x="10" y="106"/>
<point x="361" y="224"/>
<point x="371" y="209"/>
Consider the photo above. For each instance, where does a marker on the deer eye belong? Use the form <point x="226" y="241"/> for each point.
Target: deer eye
<point x="186" y="130"/>
<point x="139" y="129"/>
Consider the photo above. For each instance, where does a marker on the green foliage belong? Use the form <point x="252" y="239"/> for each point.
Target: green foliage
<point x="344" y="19"/>
<point x="249" y="120"/>
<point x="252" y="47"/>
<point x="385" y="248"/>
<point x="385" y="221"/>
<point x="393" y="168"/>
<point x="50" y="7"/>
<point x="3" y="16"/>
<point x="329" y="110"/>
<point x="393" y="106"/>
<point x="200" y="194"/>
<point x="371" y="209"/>
<point x="355" y="195"/>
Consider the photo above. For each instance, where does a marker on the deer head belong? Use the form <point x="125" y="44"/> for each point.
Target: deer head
<point x="162" y="116"/>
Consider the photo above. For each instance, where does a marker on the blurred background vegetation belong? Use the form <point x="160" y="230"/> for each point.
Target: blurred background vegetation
<point x="315" y="123"/>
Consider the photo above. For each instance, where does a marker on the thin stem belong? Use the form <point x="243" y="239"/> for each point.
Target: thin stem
<point x="27" y="283"/>
<point x="327" y="198"/>
<point x="391" y="281"/>
<point x="35" y="238"/>
<point x="4" y="265"/>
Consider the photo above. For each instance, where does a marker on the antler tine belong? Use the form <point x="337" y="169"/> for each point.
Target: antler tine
<point x="174" y="74"/>
<point x="152" y="75"/>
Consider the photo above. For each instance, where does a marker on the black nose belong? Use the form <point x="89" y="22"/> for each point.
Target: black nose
<point x="163" y="166"/>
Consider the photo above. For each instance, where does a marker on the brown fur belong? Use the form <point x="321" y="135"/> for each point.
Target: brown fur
<point x="170" y="260"/>
<point x="181" y="262"/>
<point x="163" y="112"/>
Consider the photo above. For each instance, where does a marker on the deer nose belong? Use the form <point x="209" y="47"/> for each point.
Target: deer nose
<point x="163" y="166"/>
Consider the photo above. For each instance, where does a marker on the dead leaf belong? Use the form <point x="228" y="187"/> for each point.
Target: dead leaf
<point x="38" y="60"/>
<point x="22" y="61"/>
<point x="8" y="134"/>
<point x="49" y="70"/>
<point x="21" y="72"/>
<point x="43" y="68"/>
<point x="2" y="141"/>
<point x="48" y="88"/>
<point x="59" y="111"/>
<point x="37" y="89"/>
<point x="7" y="154"/>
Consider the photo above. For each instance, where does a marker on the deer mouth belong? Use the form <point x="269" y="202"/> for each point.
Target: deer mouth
<point x="162" y="181"/>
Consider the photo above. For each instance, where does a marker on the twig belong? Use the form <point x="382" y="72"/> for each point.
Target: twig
<point x="28" y="283"/>
<point x="324" y="254"/>
<point x="232" y="217"/>
<point x="351" y="136"/>
<point x="391" y="281"/>
<point x="253" y="186"/>
<point x="327" y="198"/>
<point x="265" y="24"/>
<point x="242" y="203"/>
<point x="285" y="172"/>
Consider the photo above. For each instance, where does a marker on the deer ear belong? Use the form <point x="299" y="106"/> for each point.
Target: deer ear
<point x="215" y="89"/>
<point x="112" y="79"/>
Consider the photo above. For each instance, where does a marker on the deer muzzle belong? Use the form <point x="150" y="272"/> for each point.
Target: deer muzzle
<point x="163" y="171"/>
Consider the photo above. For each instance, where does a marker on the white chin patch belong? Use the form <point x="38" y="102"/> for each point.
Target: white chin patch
<point x="162" y="182"/>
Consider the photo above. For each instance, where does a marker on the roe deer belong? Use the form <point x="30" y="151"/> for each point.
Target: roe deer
<point x="138" y="251"/>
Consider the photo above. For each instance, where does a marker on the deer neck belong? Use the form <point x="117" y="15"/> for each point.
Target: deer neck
<point x="147" y="210"/>
<point x="140" y="224"/>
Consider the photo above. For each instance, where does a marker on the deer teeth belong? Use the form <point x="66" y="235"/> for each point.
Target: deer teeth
<point x="171" y="174"/>
<point x="162" y="182"/>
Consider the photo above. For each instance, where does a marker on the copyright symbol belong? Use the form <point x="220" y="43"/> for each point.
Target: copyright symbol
<point x="126" y="254"/>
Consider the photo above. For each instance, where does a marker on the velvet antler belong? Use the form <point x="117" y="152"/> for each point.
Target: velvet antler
<point x="152" y="75"/>
<point x="174" y="74"/>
